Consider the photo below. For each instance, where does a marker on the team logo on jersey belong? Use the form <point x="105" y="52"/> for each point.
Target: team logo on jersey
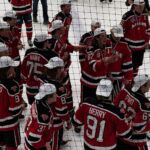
<point x="132" y="20"/>
<point x="45" y="117"/>
<point x="62" y="89"/>
<point x="14" y="88"/>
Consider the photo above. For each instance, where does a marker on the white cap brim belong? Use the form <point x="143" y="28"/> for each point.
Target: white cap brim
<point x="135" y="88"/>
<point x="15" y="63"/>
<point x="118" y="35"/>
<point x="39" y="96"/>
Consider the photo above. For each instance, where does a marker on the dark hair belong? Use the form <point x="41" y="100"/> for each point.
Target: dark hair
<point x="62" y="6"/>
<point x="45" y="98"/>
<point x="52" y="72"/>
<point x="53" y="32"/>
<point x="103" y="98"/>
<point x="3" y="72"/>
<point x="7" y="18"/>
<point x="39" y="44"/>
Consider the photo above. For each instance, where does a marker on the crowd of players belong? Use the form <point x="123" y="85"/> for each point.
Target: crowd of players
<point x="113" y="109"/>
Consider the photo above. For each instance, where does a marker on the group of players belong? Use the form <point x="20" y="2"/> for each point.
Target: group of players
<point x="109" y="74"/>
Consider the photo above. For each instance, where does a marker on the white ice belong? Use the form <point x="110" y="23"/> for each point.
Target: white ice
<point x="83" y="11"/>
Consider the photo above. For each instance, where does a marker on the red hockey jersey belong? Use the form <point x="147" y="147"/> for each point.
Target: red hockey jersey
<point x="10" y="103"/>
<point x="21" y="6"/>
<point x="63" y="49"/>
<point x="66" y="19"/>
<point x="60" y="107"/>
<point x="122" y="69"/>
<point x="32" y="65"/>
<point x="99" y="130"/>
<point x="39" y="126"/>
<point x="87" y="38"/>
<point x="92" y="67"/>
<point x="136" y="109"/>
<point x="136" y="30"/>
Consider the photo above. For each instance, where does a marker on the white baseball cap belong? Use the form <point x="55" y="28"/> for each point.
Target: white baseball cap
<point x="104" y="88"/>
<point x="117" y="31"/>
<point x="56" y="24"/>
<point x="65" y="2"/>
<point x="4" y="25"/>
<point x="99" y="31"/>
<point x="6" y="61"/>
<point x="54" y="62"/>
<point x="95" y="23"/>
<point x="45" y="89"/>
<point x="41" y="37"/>
<point x="138" y="2"/>
<point x="10" y="14"/>
<point x="139" y="81"/>
<point x="3" y="47"/>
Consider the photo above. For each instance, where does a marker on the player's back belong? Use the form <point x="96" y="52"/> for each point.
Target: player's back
<point x="101" y="123"/>
<point x="127" y="103"/>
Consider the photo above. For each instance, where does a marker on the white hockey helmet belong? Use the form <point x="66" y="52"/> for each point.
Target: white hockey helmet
<point x="65" y="2"/>
<point x="104" y="88"/>
<point x="6" y="61"/>
<point x="11" y="14"/>
<point x="117" y="31"/>
<point x="99" y="31"/>
<point x="45" y="89"/>
<point x="139" y="81"/>
<point x="56" y="24"/>
<point x="54" y="62"/>
<point x="139" y="2"/>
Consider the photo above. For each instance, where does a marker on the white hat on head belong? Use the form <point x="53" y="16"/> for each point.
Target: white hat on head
<point x="3" y="47"/>
<point x="99" y="31"/>
<point x="95" y="23"/>
<point x="56" y="24"/>
<point x="45" y="89"/>
<point x="117" y="31"/>
<point x="10" y="14"/>
<point x="104" y="88"/>
<point x="65" y="2"/>
<point x="4" y="25"/>
<point x="138" y="2"/>
<point x="54" y="62"/>
<point x="139" y="81"/>
<point x="6" y="61"/>
<point x="41" y="37"/>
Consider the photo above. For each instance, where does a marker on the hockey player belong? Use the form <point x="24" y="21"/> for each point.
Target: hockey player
<point x="87" y="38"/>
<point x="135" y="25"/>
<point x="34" y="60"/>
<point x="53" y="75"/>
<point x="136" y="108"/>
<point x="15" y="43"/>
<point x="121" y="71"/>
<point x="100" y="132"/>
<point x="39" y="126"/>
<point x="94" y="63"/>
<point x="65" y="16"/>
<point x="64" y="50"/>
<point x="9" y="36"/>
<point x="11" y="104"/>
<point x="23" y="9"/>
<point x="147" y="7"/>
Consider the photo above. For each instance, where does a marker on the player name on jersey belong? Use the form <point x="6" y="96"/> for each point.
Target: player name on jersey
<point x="96" y="112"/>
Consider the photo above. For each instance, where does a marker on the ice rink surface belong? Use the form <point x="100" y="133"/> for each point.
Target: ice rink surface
<point x="83" y="12"/>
